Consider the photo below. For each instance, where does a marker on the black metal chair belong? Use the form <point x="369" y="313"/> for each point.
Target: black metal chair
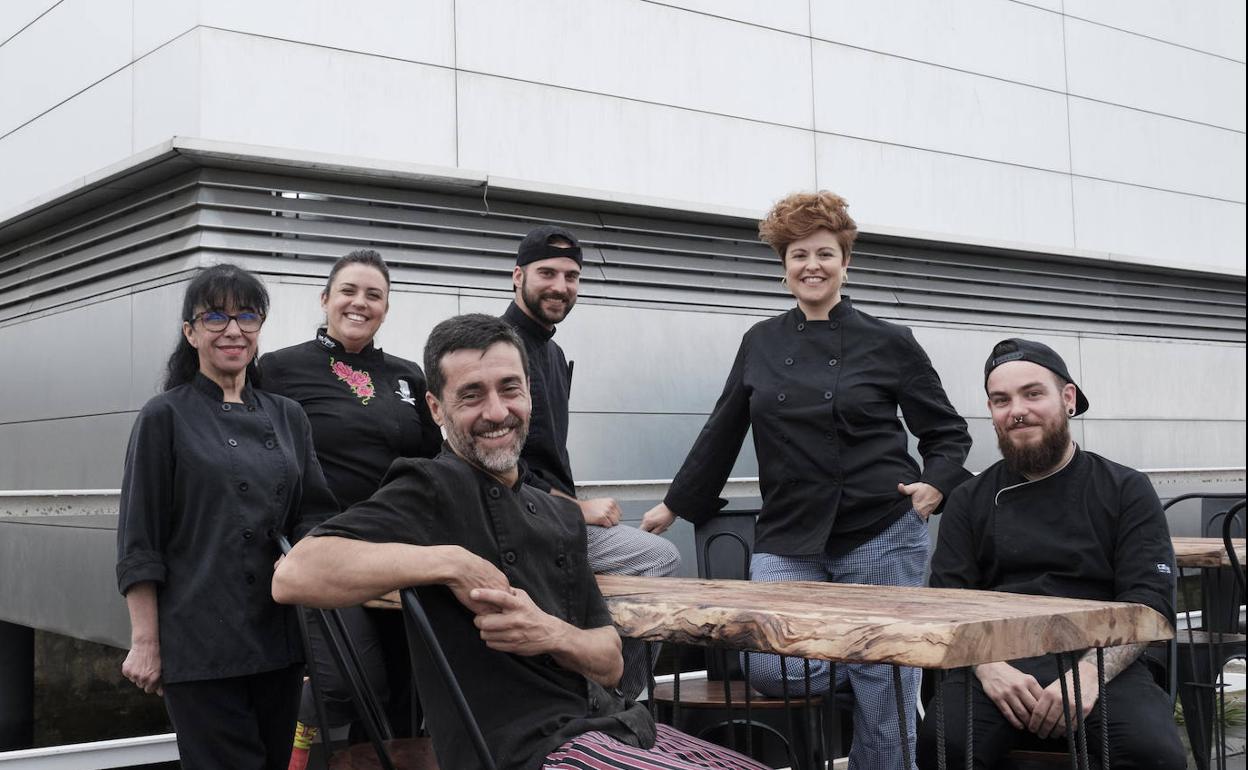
<point x="1202" y="653"/>
<point x="706" y="708"/>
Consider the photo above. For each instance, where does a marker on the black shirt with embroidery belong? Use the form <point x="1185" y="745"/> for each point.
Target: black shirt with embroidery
<point x="1093" y="530"/>
<point x="366" y="409"/>
<point x="822" y="399"/>
<point x="550" y="383"/>
<point x="207" y="485"/>
<point x="526" y="706"/>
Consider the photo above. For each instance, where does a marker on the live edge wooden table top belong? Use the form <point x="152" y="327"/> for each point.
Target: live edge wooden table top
<point x="1205" y="552"/>
<point x="923" y="627"/>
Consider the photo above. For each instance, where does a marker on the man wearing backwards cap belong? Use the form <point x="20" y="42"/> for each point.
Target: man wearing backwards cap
<point x="546" y="279"/>
<point x="1055" y="520"/>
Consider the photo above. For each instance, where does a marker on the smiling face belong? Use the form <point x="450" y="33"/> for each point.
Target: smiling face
<point x="355" y="305"/>
<point x="1030" y="410"/>
<point x="546" y="290"/>
<point x="814" y="268"/>
<point x="223" y="355"/>
<point x="484" y="406"/>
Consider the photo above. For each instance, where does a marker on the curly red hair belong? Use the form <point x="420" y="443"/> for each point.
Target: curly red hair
<point x="798" y="215"/>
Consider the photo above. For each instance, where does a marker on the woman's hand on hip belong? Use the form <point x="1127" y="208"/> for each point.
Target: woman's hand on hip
<point x="657" y="519"/>
<point x="142" y="666"/>
<point x="924" y="497"/>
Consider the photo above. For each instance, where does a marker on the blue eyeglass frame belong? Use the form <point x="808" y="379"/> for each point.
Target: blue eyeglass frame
<point x="236" y="318"/>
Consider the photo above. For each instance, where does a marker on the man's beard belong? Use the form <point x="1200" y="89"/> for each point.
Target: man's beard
<point x="1040" y="457"/>
<point x="497" y="460"/>
<point x="533" y="301"/>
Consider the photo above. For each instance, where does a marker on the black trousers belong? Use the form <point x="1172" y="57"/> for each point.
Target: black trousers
<point x="1142" y="733"/>
<point x="239" y="723"/>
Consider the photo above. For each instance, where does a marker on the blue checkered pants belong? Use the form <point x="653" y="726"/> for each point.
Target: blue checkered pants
<point x="895" y="557"/>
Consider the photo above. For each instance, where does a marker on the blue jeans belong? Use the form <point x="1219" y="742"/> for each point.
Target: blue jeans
<point x="895" y="557"/>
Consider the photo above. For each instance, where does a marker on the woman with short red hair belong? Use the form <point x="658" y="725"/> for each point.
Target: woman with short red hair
<point x="843" y="500"/>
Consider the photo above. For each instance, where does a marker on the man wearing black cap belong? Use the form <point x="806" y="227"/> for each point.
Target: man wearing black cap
<point x="1055" y="520"/>
<point x="546" y="279"/>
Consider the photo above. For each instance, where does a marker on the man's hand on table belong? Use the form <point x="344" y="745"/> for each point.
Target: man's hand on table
<point x="469" y="573"/>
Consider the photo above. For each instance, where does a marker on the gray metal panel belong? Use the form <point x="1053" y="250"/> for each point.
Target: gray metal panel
<point x="77" y="555"/>
<point x="70" y="453"/>
<point x="616" y="445"/>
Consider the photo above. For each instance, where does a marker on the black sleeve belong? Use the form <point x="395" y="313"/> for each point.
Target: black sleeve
<point x="146" y="507"/>
<point x="404" y="510"/>
<point x="316" y="501"/>
<point x="955" y="563"/>
<point x="430" y="433"/>
<point x="943" y="438"/>
<point x="530" y="477"/>
<point x="1143" y="551"/>
<point x="271" y="375"/>
<point x="694" y="494"/>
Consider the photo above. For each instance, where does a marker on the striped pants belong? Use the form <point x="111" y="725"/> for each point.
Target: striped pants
<point x="673" y="750"/>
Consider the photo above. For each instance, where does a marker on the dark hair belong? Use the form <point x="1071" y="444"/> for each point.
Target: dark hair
<point x="216" y="288"/>
<point x="358" y="257"/>
<point x="474" y="331"/>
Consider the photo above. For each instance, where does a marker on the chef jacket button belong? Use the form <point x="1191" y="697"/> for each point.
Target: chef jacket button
<point x="834" y="325"/>
<point x="788" y="362"/>
<point x="828" y="436"/>
<point x="269" y="443"/>
<point x="832" y="362"/>
<point x="270" y="533"/>
<point x="225" y="407"/>
<point x="242" y="486"/>
<point x="781" y="397"/>
<point x="509" y="557"/>
<point x="801" y="327"/>
<point x="250" y="578"/>
<point x="784" y="438"/>
<point x="827" y="395"/>
<point x="232" y="442"/>
<point x="494" y="493"/>
<point x="532" y="508"/>
<point x="560" y="560"/>
<point x="593" y="704"/>
<point x="248" y="534"/>
<point x="251" y="407"/>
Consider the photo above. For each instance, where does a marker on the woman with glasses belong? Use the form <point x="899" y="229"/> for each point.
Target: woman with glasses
<point x="367" y="409"/>
<point x="215" y="471"/>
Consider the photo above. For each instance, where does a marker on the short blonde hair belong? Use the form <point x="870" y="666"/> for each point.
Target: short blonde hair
<point x="798" y="215"/>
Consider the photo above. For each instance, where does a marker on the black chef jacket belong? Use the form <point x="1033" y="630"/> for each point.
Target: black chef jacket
<point x="1093" y="530"/>
<point x="356" y="436"/>
<point x="526" y="706"/>
<point x="206" y="485"/>
<point x="822" y="398"/>
<point x="550" y="383"/>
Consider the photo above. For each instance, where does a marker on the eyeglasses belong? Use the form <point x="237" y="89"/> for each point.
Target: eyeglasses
<point x="216" y="321"/>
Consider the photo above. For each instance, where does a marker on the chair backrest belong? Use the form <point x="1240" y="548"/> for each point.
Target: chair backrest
<point x="725" y="544"/>
<point x="1231" y="527"/>
<point x="420" y="631"/>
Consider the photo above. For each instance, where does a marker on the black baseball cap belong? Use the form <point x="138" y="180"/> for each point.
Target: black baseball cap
<point x="1015" y="349"/>
<point x="536" y="245"/>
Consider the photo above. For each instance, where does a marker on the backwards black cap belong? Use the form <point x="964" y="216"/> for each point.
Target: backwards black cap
<point x="1015" y="349"/>
<point x="536" y="245"/>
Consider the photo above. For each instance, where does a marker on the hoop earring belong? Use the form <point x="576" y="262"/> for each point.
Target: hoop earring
<point x="784" y="280"/>
<point x="1070" y="412"/>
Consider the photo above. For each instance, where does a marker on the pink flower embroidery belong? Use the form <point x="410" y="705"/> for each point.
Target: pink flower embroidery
<point x="360" y="382"/>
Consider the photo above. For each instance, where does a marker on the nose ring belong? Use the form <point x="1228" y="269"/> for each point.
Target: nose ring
<point x="1018" y="420"/>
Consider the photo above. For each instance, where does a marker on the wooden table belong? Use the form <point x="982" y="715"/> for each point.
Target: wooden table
<point x="1206" y="552"/>
<point x="923" y="627"/>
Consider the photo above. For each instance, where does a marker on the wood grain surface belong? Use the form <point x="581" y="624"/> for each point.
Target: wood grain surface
<point x="1205" y="552"/>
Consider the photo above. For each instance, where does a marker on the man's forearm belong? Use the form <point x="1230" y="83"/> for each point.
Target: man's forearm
<point x="594" y="653"/>
<point x="339" y="572"/>
<point x="1116" y="659"/>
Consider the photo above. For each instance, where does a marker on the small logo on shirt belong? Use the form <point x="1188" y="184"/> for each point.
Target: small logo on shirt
<point x="1163" y="568"/>
<point x="405" y="393"/>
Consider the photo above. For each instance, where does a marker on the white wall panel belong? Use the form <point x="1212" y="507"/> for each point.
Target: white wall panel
<point x="1167" y="443"/>
<point x="902" y="187"/>
<point x="1125" y="145"/>
<point x="420" y="31"/>
<point x="156" y="22"/>
<point x="873" y="96"/>
<point x="1133" y="71"/>
<point x="88" y="132"/>
<point x="1005" y="40"/>
<point x="168" y="92"/>
<point x="565" y="137"/>
<point x="1216" y="26"/>
<point x="1147" y="379"/>
<point x="15" y="15"/>
<point x="35" y="71"/>
<point x="1183" y="230"/>
<point x="611" y="47"/>
<point x="789" y="15"/>
<point x="325" y="100"/>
